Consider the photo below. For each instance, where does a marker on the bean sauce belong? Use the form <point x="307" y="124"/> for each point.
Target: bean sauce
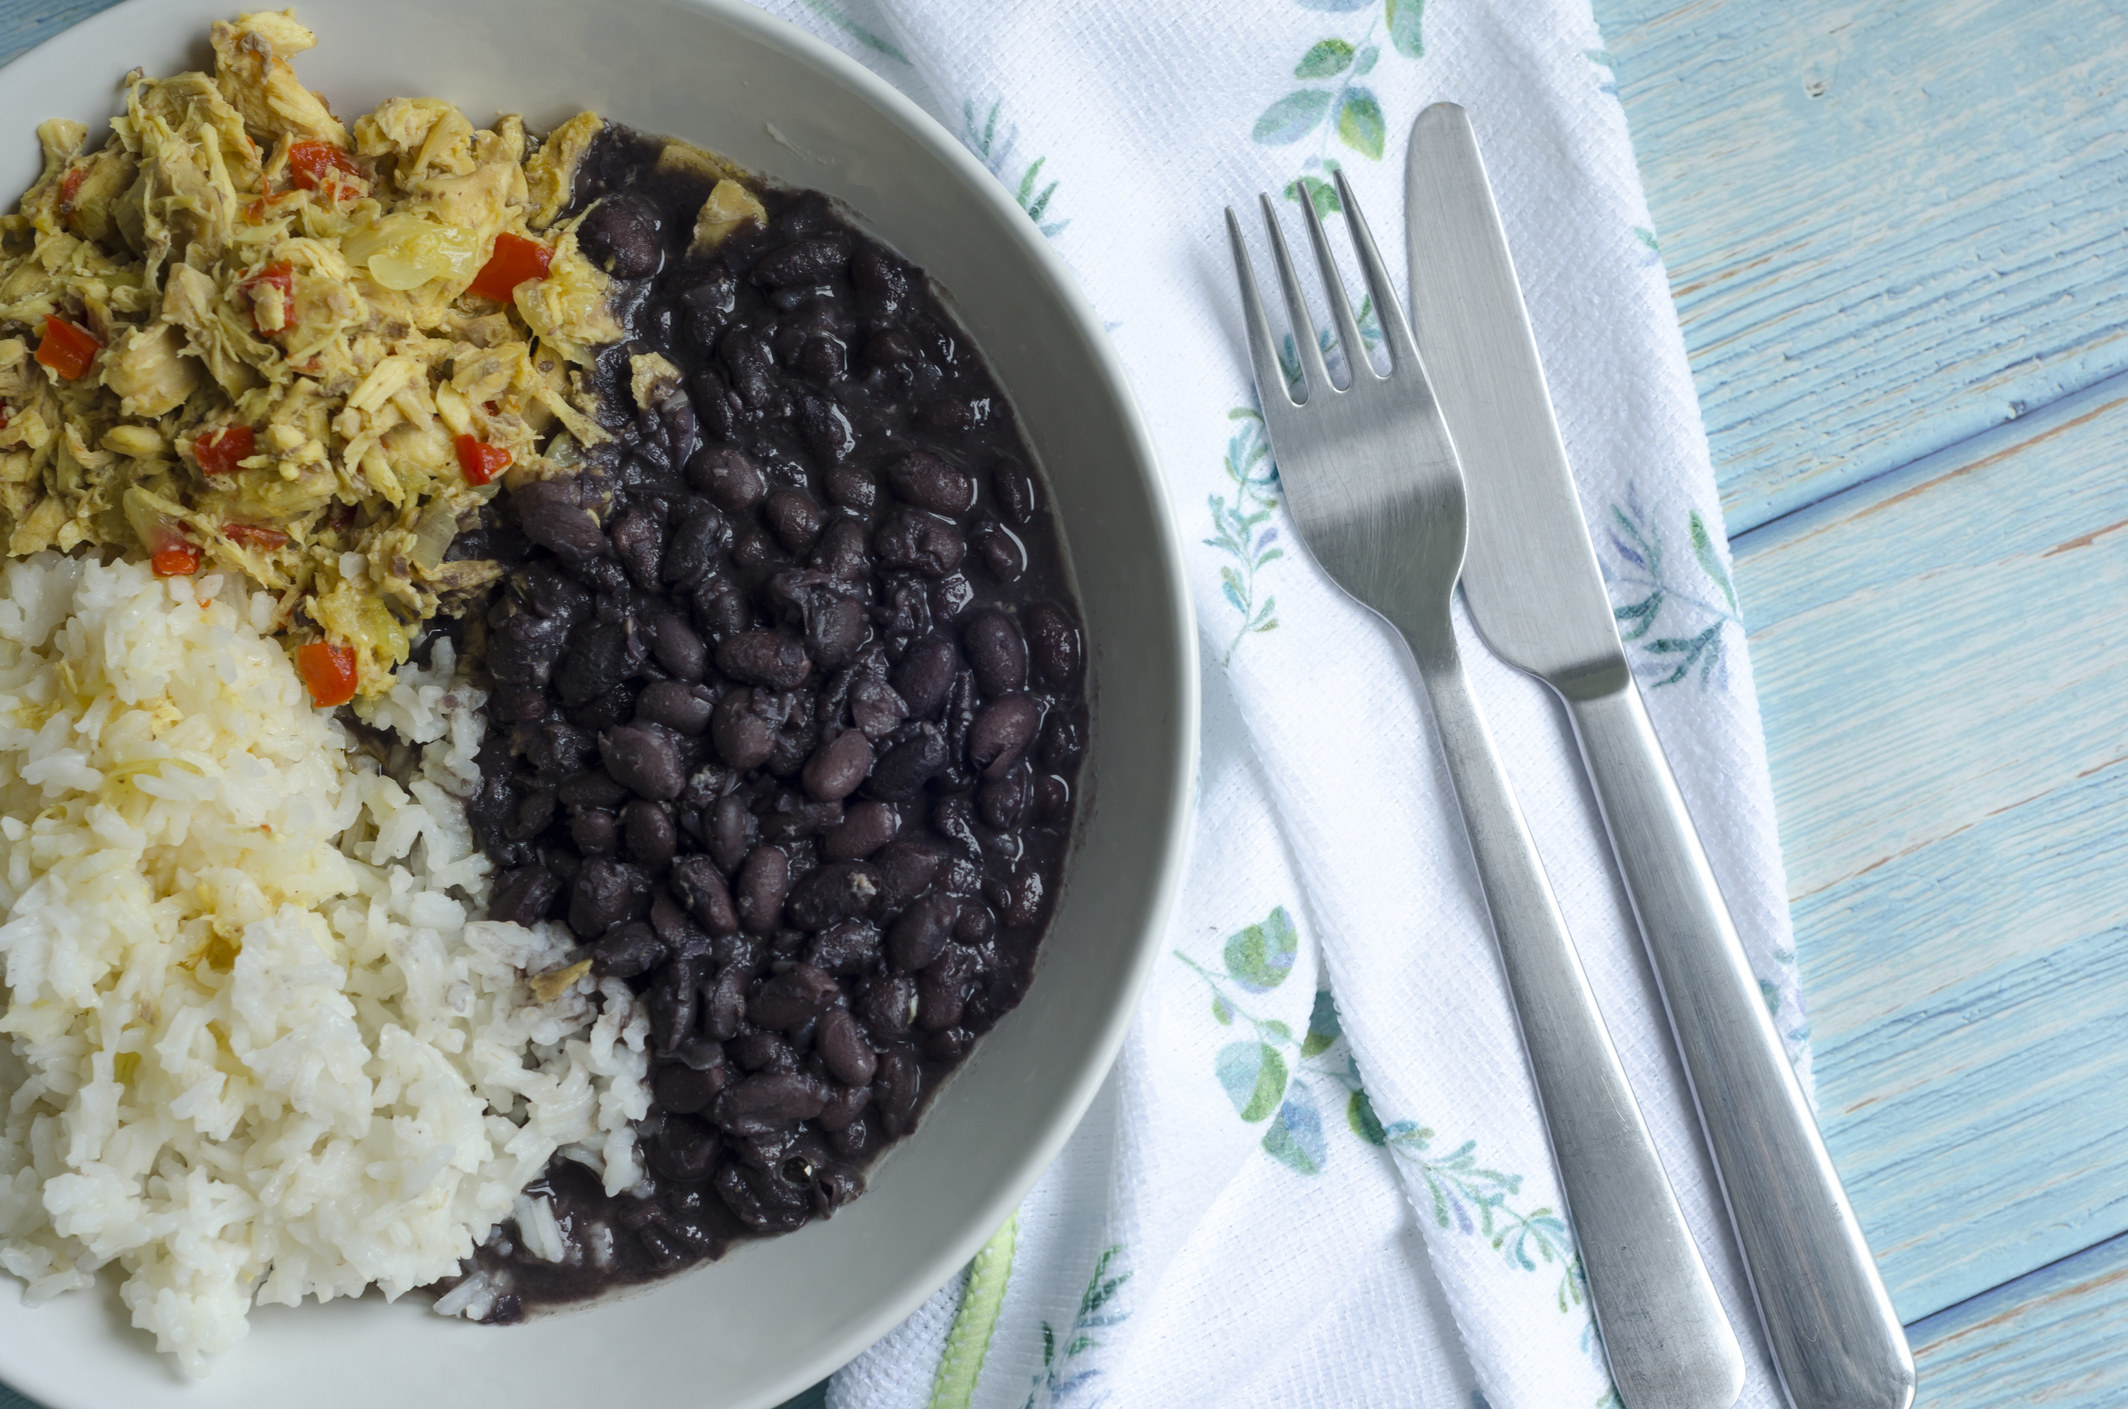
<point x="787" y="716"/>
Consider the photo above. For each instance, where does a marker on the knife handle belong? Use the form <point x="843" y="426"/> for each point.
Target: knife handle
<point x="1835" y="1337"/>
<point x="1669" y="1343"/>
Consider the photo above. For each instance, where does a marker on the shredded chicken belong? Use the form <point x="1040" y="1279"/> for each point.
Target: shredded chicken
<point x="244" y="261"/>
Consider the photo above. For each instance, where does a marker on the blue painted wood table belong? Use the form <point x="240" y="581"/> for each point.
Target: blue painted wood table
<point x="1895" y="231"/>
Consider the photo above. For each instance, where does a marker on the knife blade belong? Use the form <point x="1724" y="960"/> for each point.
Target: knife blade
<point x="1532" y="583"/>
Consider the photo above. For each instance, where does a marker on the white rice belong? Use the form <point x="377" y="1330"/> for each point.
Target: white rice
<point x="253" y="1048"/>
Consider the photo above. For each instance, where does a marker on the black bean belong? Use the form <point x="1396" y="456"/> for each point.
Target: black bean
<point x="921" y="933"/>
<point x="794" y="517"/>
<point x="802" y="262"/>
<point x="952" y="817"/>
<point x="951" y="597"/>
<point x="890" y="348"/>
<point x="1054" y="641"/>
<point x="925" y="673"/>
<point x="859" y="1140"/>
<point x="962" y="701"/>
<point x="769" y="1100"/>
<point x="525" y="896"/>
<point x="724" y="1007"/>
<point x="1001" y="551"/>
<point x="522" y="650"/>
<point x="792" y="998"/>
<point x="888" y="1004"/>
<point x="1061" y="744"/>
<point x="793" y="817"/>
<point x="774" y="658"/>
<point x="906" y="870"/>
<point x="682" y="708"/>
<point x="975" y="925"/>
<point x="716" y="404"/>
<point x="591" y="788"/>
<point x="843" y="1047"/>
<point x="720" y="608"/>
<point x="534" y="811"/>
<point x="732" y="832"/>
<point x="643" y="759"/>
<point x="699" y="886"/>
<point x="866" y="827"/>
<point x="929" y="481"/>
<point x="876" y="707"/>
<point x="996" y="651"/>
<point x="680" y="1088"/>
<point x="620" y="236"/>
<point x="673" y="1003"/>
<point x="517" y="704"/>
<point x="1015" y="490"/>
<point x="698" y="536"/>
<point x="843" y="1107"/>
<point x="902" y="770"/>
<point x="595" y="662"/>
<point x="1001" y="733"/>
<point x="651" y="836"/>
<point x="823" y="358"/>
<point x="714" y="290"/>
<point x="750" y="365"/>
<point x="628" y="951"/>
<point x="840" y="553"/>
<point x="839" y="766"/>
<point x="758" y="1201"/>
<point x="848" y="948"/>
<point x="925" y="543"/>
<point x="764" y="879"/>
<point x="942" y="992"/>
<point x="548" y="514"/>
<point x="672" y="927"/>
<point x="1018" y="894"/>
<point x="1005" y="797"/>
<point x="681" y="1150"/>
<point x="900" y="1084"/>
<point x="728" y="477"/>
<point x="852" y="486"/>
<point x="678" y="647"/>
<point x="876" y="272"/>
<point x="639" y="545"/>
<point x="606" y="893"/>
<point x="826" y="428"/>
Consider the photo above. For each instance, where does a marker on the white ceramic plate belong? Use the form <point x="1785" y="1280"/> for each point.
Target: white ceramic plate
<point x="775" y="1316"/>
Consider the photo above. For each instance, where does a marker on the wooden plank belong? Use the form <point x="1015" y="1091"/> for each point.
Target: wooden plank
<point x="1888" y="225"/>
<point x="2053" y="1338"/>
<point x="1941" y="664"/>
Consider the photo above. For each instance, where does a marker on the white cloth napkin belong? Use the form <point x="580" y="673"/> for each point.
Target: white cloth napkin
<point x="1317" y="1175"/>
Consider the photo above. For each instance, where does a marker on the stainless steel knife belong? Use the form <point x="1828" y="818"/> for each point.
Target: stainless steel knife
<point x="1531" y="581"/>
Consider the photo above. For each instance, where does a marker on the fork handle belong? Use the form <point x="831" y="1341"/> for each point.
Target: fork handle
<point x="1835" y="1338"/>
<point x="1669" y="1344"/>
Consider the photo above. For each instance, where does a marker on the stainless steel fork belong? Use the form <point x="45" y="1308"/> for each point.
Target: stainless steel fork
<point x="1374" y="488"/>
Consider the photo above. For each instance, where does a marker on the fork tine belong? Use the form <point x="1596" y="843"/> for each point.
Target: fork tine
<point x="1388" y="308"/>
<point x="1314" y="374"/>
<point x="1348" y="331"/>
<point x="1271" y="388"/>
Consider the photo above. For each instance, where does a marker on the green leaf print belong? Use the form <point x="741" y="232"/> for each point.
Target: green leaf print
<point x="1328" y="59"/>
<point x="1404" y="27"/>
<point x="1260" y="956"/>
<point x="1295" y="1138"/>
<point x="1698" y="621"/>
<point x="1221" y="1013"/>
<point x="1703" y="549"/>
<point x="1359" y="123"/>
<point x="1323" y="1026"/>
<point x="1359" y="1114"/>
<point x="1058" y="1377"/>
<point x="1254" y="1075"/>
<point x="1291" y="117"/>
